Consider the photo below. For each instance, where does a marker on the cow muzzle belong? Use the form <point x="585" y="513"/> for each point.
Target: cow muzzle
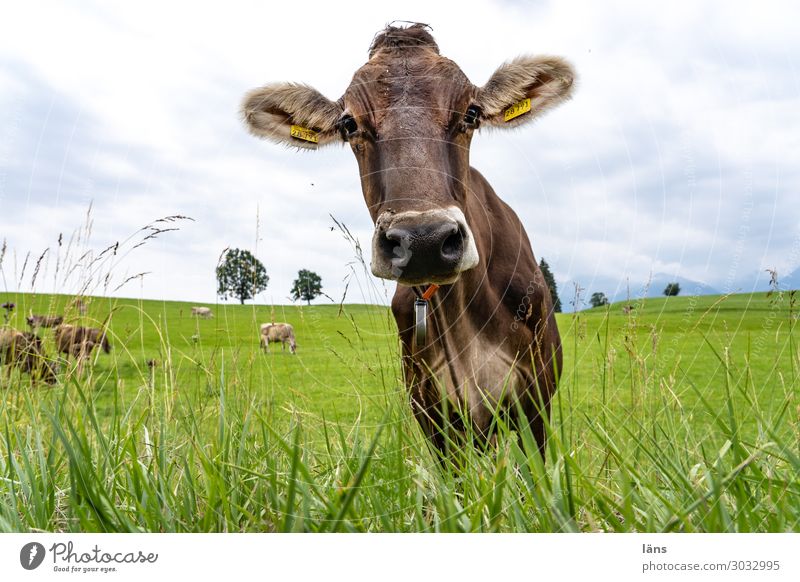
<point x="418" y="248"/>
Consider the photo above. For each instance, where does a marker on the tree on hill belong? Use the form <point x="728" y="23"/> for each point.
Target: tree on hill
<point x="240" y="275"/>
<point x="598" y="299"/>
<point x="551" y="283"/>
<point x="307" y="286"/>
<point x="672" y="289"/>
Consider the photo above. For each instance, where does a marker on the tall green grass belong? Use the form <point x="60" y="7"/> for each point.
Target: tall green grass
<point x="680" y="416"/>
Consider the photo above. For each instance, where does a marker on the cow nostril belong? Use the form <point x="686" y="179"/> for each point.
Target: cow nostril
<point x="395" y="234"/>
<point x="395" y="245"/>
<point x="453" y="246"/>
<point x="388" y="243"/>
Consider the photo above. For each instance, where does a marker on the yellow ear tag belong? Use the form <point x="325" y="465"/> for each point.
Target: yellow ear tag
<point x="517" y="109"/>
<point x="304" y="133"/>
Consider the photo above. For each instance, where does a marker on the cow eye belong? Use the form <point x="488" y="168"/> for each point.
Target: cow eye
<point x="472" y="115"/>
<point x="348" y="126"/>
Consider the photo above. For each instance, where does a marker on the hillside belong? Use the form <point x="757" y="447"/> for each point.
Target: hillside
<point x="188" y="426"/>
<point x="347" y="356"/>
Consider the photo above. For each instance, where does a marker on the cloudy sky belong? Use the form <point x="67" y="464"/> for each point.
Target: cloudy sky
<point x="678" y="156"/>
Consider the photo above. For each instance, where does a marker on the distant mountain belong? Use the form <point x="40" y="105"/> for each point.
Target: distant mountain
<point x="637" y="289"/>
<point x="655" y="288"/>
<point x="630" y="289"/>
<point x="760" y="281"/>
<point x="790" y="281"/>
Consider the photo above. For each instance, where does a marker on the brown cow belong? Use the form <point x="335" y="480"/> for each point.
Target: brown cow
<point x="79" y="304"/>
<point x="409" y="115"/>
<point x="24" y="350"/>
<point x="36" y="321"/>
<point x="79" y="342"/>
<point x="9" y="308"/>
<point x="278" y="332"/>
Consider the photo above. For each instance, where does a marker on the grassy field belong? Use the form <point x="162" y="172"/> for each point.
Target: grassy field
<point x="681" y="415"/>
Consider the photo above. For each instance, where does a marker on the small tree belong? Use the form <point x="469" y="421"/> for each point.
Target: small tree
<point x="307" y="286"/>
<point x="551" y="283"/>
<point x="240" y="275"/>
<point x="598" y="299"/>
<point x="672" y="289"/>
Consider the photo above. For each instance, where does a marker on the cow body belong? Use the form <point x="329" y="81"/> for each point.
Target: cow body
<point x="409" y="116"/>
<point x="9" y="308"/>
<point x="79" y="342"/>
<point x="282" y="333"/>
<point x="24" y="350"/>
<point x="37" y="321"/>
<point x="203" y="312"/>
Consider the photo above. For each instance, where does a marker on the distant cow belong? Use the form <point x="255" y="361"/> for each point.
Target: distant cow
<point x="24" y="350"/>
<point x="9" y="308"/>
<point x="79" y="342"/>
<point x="278" y="332"/>
<point x="36" y="321"/>
<point x="203" y="312"/>
<point x="79" y="304"/>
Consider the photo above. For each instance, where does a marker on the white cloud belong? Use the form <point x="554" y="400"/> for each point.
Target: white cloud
<point x="677" y="149"/>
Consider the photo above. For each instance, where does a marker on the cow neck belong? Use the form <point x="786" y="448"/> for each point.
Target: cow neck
<point x="446" y="313"/>
<point x="448" y="304"/>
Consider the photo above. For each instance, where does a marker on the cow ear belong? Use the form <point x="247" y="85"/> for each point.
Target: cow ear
<point x="521" y="90"/>
<point x="292" y="114"/>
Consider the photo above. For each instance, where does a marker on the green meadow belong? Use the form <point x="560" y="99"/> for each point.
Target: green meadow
<point x="678" y="414"/>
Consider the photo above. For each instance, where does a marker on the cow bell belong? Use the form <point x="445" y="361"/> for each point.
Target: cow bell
<point x="420" y="323"/>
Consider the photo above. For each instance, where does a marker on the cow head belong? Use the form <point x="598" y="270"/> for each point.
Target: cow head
<point x="409" y="115"/>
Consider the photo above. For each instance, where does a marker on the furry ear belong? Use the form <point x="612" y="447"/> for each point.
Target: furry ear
<point x="545" y="80"/>
<point x="292" y="114"/>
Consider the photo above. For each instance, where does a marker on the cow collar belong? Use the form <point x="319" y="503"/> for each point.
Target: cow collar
<point x="421" y="316"/>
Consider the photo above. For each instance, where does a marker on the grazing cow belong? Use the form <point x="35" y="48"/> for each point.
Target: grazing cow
<point x="80" y="305"/>
<point x="203" y="312"/>
<point x="79" y="342"/>
<point x="9" y="308"/>
<point x="278" y="332"/>
<point x="490" y="343"/>
<point x="24" y="350"/>
<point x="37" y="321"/>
